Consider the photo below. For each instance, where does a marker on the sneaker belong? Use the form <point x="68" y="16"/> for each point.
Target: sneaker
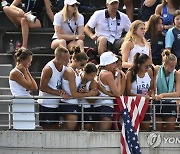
<point x="31" y="17"/>
<point x="4" y="3"/>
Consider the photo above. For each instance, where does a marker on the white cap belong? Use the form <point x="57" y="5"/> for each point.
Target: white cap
<point x="70" y="2"/>
<point x="110" y="1"/>
<point x="107" y="58"/>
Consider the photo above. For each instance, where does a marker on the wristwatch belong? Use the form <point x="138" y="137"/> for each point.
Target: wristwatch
<point x="77" y="38"/>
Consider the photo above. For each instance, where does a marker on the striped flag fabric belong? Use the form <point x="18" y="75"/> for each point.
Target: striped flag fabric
<point x="132" y="111"/>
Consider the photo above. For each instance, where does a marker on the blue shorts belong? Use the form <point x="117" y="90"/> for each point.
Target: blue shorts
<point x="48" y="118"/>
<point x="163" y="109"/>
<point x="103" y="112"/>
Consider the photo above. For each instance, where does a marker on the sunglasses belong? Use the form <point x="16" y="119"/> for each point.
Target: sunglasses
<point x="82" y="65"/>
<point x="147" y="66"/>
<point x="74" y="5"/>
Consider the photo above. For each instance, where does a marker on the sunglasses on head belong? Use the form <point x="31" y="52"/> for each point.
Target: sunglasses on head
<point x="73" y="5"/>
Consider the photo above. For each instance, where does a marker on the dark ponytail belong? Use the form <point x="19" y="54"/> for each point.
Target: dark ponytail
<point x="139" y="59"/>
<point x="77" y="54"/>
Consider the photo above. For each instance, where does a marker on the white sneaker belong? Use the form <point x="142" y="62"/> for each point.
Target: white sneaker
<point x="31" y="17"/>
<point x="4" y="3"/>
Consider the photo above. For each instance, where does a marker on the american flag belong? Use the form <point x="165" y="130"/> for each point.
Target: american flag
<point x="132" y="111"/>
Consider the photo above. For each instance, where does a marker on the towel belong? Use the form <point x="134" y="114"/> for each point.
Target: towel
<point x="164" y="86"/>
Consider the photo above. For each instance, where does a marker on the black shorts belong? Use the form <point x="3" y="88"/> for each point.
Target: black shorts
<point x="88" y="117"/>
<point x="165" y="109"/>
<point x="48" y="118"/>
<point x="70" y="109"/>
<point x="147" y="116"/>
<point x="107" y="112"/>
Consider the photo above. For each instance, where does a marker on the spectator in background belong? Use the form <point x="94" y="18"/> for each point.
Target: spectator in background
<point x="134" y="42"/>
<point x="167" y="85"/>
<point x="139" y="81"/>
<point x="173" y="38"/>
<point x="112" y="85"/>
<point x="166" y="10"/>
<point x="147" y="9"/>
<point x="50" y="85"/>
<point x="21" y="15"/>
<point x="68" y="26"/>
<point x="156" y="37"/>
<point x="109" y="24"/>
<point x="88" y="83"/>
<point x="70" y="83"/>
<point x="129" y="9"/>
<point x="20" y="80"/>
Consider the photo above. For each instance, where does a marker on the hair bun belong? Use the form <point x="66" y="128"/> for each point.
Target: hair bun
<point x="75" y="50"/>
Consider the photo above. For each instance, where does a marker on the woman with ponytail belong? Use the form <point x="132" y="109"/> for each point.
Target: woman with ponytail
<point x="20" y="80"/>
<point x="140" y="81"/>
<point x="70" y="83"/>
<point x="167" y="85"/>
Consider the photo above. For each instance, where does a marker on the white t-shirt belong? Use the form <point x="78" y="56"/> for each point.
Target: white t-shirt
<point x="108" y="27"/>
<point x="58" y="21"/>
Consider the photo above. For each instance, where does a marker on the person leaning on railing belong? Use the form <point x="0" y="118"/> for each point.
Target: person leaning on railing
<point x="113" y="85"/>
<point x="50" y="85"/>
<point x="88" y="82"/>
<point x="70" y="82"/>
<point x="139" y="81"/>
<point x="167" y="84"/>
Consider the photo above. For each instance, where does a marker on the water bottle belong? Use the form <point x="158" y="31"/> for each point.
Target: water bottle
<point x="18" y="44"/>
<point x="11" y="46"/>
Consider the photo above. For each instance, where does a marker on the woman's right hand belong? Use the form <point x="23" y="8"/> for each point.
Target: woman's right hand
<point x="81" y="36"/>
<point x="21" y="13"/>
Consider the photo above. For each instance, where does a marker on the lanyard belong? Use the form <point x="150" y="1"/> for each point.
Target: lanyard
<point x="74" y="32"/>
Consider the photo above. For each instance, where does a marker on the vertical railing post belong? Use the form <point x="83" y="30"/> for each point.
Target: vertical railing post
<point x="10" y="114"/>
<point x="82" y="117"/>
<point x="154" y="116"/>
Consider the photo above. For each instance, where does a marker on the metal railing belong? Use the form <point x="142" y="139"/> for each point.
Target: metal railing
<point x="81" y="113"/>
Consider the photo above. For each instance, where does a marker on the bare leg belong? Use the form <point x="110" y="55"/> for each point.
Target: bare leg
<point x="105" y="124"/>
<point x="55" y="43"/>
<point x="71" y="125"/>
<point x="102" y="44"/>
<point x="159" y="125"/>
<point x="170" y="126"/>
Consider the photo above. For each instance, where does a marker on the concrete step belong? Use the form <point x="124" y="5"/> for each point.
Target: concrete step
<point x="6" y="58"/>
<point x="5" y="91"/>
<point x="4" y="81"/>
<point x="5" y="69"/>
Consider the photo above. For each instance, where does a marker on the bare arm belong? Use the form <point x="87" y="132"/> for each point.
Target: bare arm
<point x="49" y="10"/>
<point x="27" y="81"/>
<point x="61" y="35"/>
<point x="45" y="77"/>
<point x="158" y="9"/>
<point x="129" y="84"/>
<point x="70" y="76"/>
<point x="89" y="33"/>
<point x="149" y="3"/>
<point x="126" y="49"/>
